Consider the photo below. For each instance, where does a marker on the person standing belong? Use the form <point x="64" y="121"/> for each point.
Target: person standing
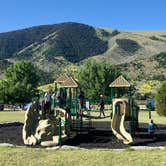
<point x="152" y="128"/>
<point x="47" y="103"/>
<point x="81" y="102"/>
<point x="101" y="105"/>
<point x="61" y="98"/>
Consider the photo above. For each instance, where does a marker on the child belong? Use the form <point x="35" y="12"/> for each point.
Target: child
<point x="101" y="105"/>
<point x="151" y="129"/>
<point x="81" y="103"/>
<point x="47" y="103"/>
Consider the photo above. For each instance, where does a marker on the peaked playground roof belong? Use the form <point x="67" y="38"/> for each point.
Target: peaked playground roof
<point x="61" y="78"/>
<point x="69" y="83"/>
<point x="120" y="82"/>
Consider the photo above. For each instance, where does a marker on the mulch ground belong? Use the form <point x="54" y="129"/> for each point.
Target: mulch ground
<point x="99" y="136"/>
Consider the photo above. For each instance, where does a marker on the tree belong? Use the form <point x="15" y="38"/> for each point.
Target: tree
<point x="20" y="83"/>
<point x="161" y="100"/>
<point x="3" y="89"/>
<point x="94" y="78"/>
<point x="149" y="87"/>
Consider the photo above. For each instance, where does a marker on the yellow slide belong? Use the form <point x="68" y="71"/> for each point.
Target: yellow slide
<point x="119" y="111"/>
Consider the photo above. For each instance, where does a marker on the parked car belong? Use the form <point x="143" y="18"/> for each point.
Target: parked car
<point x="1" y="107"/>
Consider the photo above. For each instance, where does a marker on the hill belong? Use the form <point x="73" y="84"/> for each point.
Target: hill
<point x="53" y="47"/>
<point x="11" y="42"/>
<point x="128" y="46"/>
<point x="142" y="70"/>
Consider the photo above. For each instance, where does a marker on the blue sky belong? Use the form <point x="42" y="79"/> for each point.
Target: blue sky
<point x="116" y="14"/>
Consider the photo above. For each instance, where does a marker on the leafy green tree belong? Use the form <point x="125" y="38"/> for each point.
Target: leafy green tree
<point x="149" y="87"/>
<point x="94" y="78"/>
<point x="161" y="100"/>
<point x="20" y="83"/>
<point x="3" y="89"/>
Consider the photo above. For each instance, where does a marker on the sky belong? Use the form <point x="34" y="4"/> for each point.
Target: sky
<point x="130" y="15"/>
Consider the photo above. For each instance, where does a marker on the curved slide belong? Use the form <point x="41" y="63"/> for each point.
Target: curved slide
<point x="119" y="111"/>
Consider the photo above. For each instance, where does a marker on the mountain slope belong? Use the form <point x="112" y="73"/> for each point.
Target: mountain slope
<point x="53" y="47"/>
<point x="11" y="42"/>
<point x="73" y="41"/>
<point x="142" y="70"/>
<point x="128" y="46"/>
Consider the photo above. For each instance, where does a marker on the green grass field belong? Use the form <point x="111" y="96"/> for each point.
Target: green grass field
<point x="144" y="117"/>
<point x="30" y="157"/>
<point x="12" y="116"/>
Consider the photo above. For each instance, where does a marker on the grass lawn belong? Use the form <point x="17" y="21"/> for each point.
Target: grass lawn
<point x="11" y="116"/>
<point x="29" y="157"/>
<point x="144" y="117"/>
<point x="18" y="116"/>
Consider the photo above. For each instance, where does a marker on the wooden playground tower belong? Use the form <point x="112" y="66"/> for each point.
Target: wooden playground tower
<point x="121" y="90"/>
<point x="69" y="86"/>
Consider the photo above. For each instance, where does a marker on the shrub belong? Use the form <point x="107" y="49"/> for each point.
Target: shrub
<point x="128" y="45"/>
<point x="161" y="100"/>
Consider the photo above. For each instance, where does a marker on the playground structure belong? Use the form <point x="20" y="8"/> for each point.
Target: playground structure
<point x="46" y="132"/>
<point x="119" y="112"/>
<point x="123" y="110"/>
<point x="64" y="121"/>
